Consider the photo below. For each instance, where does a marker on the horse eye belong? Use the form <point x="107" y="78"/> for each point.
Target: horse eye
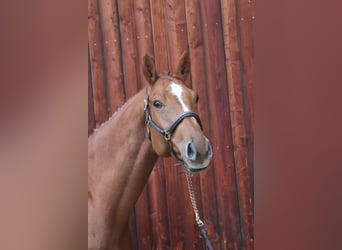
<point x="197" y="99"/>
<point x="157" y="104"/>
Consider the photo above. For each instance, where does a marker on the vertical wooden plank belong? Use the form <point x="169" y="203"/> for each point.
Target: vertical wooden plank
<point x="246" y="15"/>
<point x="176" y="29"/>
<point x="173" y="182"/>
<point x="174" y="209"/>
<point x="156" y="185"/>
<point x="236" y="98"/>
<point x="206" y="183"/>
<point x="183" y="229"/>
<point x="195" y="44"/>
<point x="175" y="212"/>
<point x="221" y="126"/>
<point x="238" y="122"/>
<point x="95" y="53"/>
<point x="162" y="64"/>
<point x="128" y="46"/>
<point x="112" y="54"/>
<point x="144" y="224"/>
<point x="158" y="207"/>
<point x="91" y="116"/>
<point x="144" y="35"/>
<point x="159" y="35"/>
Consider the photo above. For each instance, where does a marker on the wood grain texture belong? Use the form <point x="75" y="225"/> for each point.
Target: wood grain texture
<point x="142" y="222"/>
<point x="218" y="35"/>
<point x="145" y="227"/>
<point x="159" y="35"/>
<point x="246" y="17"/>
<point x="221" y="136"/>
<point x="96" y="62"/>
<point x="158" y="207"/>
<point x="128" y="46"/>
<point x="162" y="34"/>
<point x="112" y="54"/>
<point x="207" y="193"/>
<point x="176" y="30"/>
<point x="237" y="111"/>
<point x="144" y="37"/>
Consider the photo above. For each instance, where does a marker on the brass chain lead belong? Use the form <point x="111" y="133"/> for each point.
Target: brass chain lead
<point x="193" y="198"/>
<point x="194" y="206"/>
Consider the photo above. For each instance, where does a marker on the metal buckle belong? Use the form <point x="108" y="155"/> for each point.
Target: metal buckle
<point x="145" y="104"/>
<point x="167" y="135"/>
<point x="148" y="130"/>
<point x="148" y="120"/>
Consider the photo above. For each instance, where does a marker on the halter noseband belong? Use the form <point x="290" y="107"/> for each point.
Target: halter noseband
<point x="166" y="133"/>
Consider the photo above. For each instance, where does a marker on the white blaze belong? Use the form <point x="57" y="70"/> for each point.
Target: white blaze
<point x="177" y="90"/>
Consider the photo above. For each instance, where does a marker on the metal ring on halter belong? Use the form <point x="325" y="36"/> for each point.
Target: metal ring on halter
<point x="166" y="135"/>
<point x="145" y="104"/>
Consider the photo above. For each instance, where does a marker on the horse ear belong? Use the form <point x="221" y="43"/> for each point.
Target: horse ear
<point x="149" y="69"/>
<point x="183" y="68"/>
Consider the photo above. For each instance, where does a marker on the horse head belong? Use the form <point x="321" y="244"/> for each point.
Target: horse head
<point x="171" y="110"/>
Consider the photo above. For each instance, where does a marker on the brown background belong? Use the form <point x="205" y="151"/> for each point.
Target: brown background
<point x="218" y="35"/>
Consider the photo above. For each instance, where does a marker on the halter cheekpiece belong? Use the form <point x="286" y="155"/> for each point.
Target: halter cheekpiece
<point x="166" y="133"/>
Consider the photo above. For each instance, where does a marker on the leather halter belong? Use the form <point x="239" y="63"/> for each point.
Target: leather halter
<point x="166" y="133"/>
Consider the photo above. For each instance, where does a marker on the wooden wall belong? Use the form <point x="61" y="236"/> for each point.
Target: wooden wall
<point x="219" y="37"/>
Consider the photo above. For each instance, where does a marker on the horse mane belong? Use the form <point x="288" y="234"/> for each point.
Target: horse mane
<point x="114" y="116"/>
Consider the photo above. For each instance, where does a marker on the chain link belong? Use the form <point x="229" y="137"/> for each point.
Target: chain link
<point x="194" y="206"/>
<point x="193" y="198"/>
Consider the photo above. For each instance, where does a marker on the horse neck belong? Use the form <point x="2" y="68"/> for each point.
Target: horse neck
<point x="120" y="160"/>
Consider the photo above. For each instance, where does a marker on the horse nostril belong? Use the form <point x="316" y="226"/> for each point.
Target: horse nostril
<point x="210" y="151"/>
<point x="191" y="151"/>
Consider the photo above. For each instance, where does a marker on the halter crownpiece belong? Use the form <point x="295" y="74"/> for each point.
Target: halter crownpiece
<point x="166" y="133"/>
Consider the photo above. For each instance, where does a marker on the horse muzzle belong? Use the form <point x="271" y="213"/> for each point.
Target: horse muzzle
<point x="195" y="159"/>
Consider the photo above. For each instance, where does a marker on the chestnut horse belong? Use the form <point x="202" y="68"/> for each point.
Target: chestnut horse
<point x="121" y="154"/>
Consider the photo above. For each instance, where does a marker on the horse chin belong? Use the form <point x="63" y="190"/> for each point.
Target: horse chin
<point x="196" y="167"/>
<point x="195" y="170"/>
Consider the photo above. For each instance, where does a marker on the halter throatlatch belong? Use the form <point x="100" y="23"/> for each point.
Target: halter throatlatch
<point x="167" y="133"/>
